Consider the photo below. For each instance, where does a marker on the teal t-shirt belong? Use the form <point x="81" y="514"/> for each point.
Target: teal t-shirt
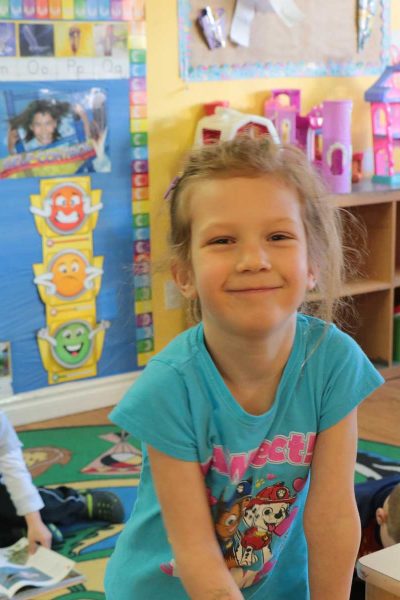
<point x="255" y="467"/>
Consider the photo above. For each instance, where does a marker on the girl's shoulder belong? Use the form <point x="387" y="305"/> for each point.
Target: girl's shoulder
<point x="183" y="349"/>
<point x="327" y="346"/>
<point x="325" y="334"/>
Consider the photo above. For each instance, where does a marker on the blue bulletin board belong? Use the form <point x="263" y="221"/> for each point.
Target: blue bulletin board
<point x="22" y="311"/>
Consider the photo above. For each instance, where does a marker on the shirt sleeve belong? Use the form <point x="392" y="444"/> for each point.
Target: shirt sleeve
<point x="349" y="377"/>
<point x="8" y="438"/>
<point x="14" y="472"/>
<point x="156" y="409"/>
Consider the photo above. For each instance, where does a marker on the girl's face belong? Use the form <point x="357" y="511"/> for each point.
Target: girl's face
<point x="43" y="127"/>
<point x="250" y="269"/>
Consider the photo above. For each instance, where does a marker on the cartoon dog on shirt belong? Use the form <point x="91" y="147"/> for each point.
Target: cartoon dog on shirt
<point x="263" y="515"/>
<point x="228" y="518"/>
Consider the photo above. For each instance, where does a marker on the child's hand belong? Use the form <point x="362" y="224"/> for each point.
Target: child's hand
<point x="37" y="533"/>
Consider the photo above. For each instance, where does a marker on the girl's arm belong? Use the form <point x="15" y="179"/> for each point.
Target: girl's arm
<point x="190" y="529"/>
<point x="12" y="139"/>
<point x="331" y="521"/>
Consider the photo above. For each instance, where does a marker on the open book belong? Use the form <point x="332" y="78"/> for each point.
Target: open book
<point x="24" y="575"/>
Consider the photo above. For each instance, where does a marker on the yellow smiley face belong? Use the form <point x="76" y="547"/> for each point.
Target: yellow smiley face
<point x="69" y="272"/>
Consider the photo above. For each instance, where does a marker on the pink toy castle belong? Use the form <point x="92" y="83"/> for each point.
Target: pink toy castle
<point x="283" y="109"/>
<point x="324" y="134"/>
<point x="384" y="96"/>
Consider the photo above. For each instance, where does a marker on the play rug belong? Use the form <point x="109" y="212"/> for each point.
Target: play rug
<point x="103" y="457"/>
<point x="100" y="457"/>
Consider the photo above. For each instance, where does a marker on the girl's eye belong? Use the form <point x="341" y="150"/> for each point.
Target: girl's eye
<point x="278" y="237"/>
<point x="222" y="241"/>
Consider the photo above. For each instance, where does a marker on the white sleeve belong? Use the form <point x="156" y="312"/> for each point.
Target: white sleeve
<point x="15" y="474"/>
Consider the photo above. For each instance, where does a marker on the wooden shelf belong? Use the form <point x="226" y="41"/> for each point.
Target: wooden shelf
<point x="367" y="193"/>
<point x="356" y="287"/>
<point x="365" y="286"/>
<point x="375" y="294"/>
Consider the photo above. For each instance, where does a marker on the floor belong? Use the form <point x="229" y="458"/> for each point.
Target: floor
<point x="378" y="416"/>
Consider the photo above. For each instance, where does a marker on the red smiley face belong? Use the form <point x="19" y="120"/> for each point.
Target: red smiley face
<point x="67" y="208"/>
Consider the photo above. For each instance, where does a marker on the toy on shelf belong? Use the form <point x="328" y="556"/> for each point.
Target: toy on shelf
<point x="357" y="167"/>
<point x="324" y="134"/>
<point x="336" y="147"/>
<point x="225" y="123"/>
<point x="283" y="109"/>
<point x="210" y="107"/>
<point x="384" y="96"/>
<point x="313" y="135"/>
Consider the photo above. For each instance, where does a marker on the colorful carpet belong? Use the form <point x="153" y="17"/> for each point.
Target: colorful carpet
<point x="102" y="457"/>
<point x="98" y="457"/>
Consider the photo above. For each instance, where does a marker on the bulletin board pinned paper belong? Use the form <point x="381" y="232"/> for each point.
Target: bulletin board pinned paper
<point x="323" y="43"/>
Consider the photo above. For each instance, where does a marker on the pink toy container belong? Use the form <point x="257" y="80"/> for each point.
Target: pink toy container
<point x="337" y="148"/>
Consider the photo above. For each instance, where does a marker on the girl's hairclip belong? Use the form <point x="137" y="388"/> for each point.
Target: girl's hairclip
<point x="174" y="183"/>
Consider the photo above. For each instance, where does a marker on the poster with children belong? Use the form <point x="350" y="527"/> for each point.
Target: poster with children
<point x="51" y="132"/>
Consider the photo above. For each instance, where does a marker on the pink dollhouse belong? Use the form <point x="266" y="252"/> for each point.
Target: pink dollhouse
<point x="324" y="134"/>
<point x="384" y="96"/>
<point x="283" y="109"/>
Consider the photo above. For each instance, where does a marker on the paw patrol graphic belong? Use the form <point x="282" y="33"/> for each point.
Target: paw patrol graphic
<point x="66" y="207"/>
<point x="69" y="276"/>
<point x="262" y="516"/>
<point x="228" y="517"/>
<point x="74" y="346"/>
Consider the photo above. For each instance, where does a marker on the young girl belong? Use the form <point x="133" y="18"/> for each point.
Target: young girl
<point x="40" y="125"/>
<point x="248" y="419"/>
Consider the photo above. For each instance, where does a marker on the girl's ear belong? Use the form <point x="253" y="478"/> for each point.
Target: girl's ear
<point x="311" y="280"/>
<point x="182" y="274"/>
<point x="381" y="516"/>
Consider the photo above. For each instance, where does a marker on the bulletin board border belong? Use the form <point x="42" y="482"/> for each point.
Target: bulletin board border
<point x="330" y="68"/>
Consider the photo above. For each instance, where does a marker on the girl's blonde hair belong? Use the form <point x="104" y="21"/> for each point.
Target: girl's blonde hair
<point x="260" y="157"/>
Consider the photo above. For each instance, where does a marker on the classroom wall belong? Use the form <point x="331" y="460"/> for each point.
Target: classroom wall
<point x="174" y="108"/>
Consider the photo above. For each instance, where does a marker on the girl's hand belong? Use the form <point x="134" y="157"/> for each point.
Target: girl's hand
<point x="37" y="533"/>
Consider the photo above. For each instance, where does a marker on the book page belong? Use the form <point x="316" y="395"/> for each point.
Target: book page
<point x="18" y="568"/>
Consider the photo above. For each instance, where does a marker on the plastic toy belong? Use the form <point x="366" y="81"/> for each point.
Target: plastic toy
<point x="283" y="109"/>
<point x="226" y="123"/>
<point x="357" y="167"/>
<point x="384" y="96"/>
<point x="313" y="135"/>
<point x="336" y="148"/>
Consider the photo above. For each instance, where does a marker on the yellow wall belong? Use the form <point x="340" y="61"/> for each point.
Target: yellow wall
<point x="174" y="108"/>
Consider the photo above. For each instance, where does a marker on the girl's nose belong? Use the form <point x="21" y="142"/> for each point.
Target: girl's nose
<point x="254" y="258"/>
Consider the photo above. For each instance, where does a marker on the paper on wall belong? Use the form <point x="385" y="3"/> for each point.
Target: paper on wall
<point x="243" y="16"/>
<point x="287" y="11"/>
<point x="245" y="11"/>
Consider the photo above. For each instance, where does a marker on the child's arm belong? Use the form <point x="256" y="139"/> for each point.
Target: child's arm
<point x="37" y="531"/>
<point x="12" y="139"/>
<point x="81" y="114"/>
<point x="331" y="520"/>
<point x="190" y="529"/>
<point x="18" y="482"/>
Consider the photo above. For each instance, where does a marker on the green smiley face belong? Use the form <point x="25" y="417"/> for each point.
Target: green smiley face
<point x="73" y="344"/>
